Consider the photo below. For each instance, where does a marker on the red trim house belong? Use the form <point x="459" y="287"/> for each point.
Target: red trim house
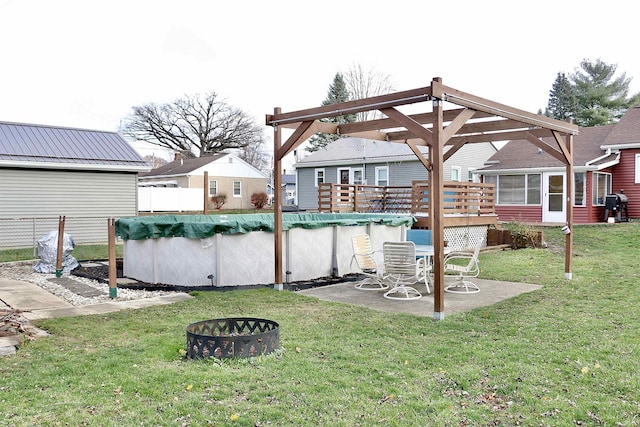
<point x="531" y="184"/>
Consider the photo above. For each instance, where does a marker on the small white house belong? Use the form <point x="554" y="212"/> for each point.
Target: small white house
<point x="228" y="176"/>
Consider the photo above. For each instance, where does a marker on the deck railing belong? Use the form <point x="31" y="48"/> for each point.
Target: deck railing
<point x="459" y="198"/>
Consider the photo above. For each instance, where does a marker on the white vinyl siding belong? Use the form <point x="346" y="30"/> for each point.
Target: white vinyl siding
<point x="85" y="199"/>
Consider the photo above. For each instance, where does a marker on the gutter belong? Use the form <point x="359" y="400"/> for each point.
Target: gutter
<point x="74" y="166"/>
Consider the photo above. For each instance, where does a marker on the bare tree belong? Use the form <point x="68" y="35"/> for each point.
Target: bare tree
<point x="154" y="161"/>
<point x="256" y="156"/>
<point x="363" y="83"/>
<point x="196" y="125"/>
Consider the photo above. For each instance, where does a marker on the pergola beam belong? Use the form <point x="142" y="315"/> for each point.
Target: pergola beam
<point x="471" y="101"/>
<point x="351" y="107"/>
<point x="545" y="147"/>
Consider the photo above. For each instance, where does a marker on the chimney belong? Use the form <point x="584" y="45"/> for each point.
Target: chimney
<point x="177" y="156"/>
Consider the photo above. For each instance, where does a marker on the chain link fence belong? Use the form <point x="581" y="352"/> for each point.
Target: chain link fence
<point x="16" y="233"/>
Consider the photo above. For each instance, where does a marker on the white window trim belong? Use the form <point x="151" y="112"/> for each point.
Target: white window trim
<point x="339" y="176"/>
<point x="315" y="176"/>
<point x="234" y="188"/>
<point x="459" y="170"/>
<point x="472" y="176"/>
<point x="210" y="187"/>
<point x="526" y="190"/>
<point x="352" y="175"/>
<point x="584" y="190"/>
<point x="378" y="169"/>
<point x="607" y="190"/>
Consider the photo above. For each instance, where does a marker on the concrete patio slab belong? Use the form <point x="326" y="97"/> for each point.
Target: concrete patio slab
<point x="490" y="293"/>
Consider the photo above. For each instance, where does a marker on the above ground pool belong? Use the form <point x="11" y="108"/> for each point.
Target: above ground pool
<point x="237" y="250"/>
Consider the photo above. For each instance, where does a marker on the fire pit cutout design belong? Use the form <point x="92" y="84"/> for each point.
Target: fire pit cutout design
<point x="232" y="337"/>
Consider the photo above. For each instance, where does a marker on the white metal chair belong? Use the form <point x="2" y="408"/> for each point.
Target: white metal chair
<point x="363" y="255"/>
<point x="463" y="265"/>
<point x="401" y="269"/>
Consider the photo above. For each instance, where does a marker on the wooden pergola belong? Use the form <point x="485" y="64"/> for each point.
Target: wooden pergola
<point x="471" y="120"/>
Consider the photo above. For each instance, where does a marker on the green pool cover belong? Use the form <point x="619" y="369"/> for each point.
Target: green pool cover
<point x="204" y="226"/>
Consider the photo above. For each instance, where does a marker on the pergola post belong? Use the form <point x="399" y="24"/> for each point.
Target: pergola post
<point x="277" y="203"/>
<point x="570" y="191"/>
<point x="436" y="189"/>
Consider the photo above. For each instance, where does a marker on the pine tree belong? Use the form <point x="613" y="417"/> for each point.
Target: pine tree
<point x="562" y="99"/>
<point x="337" y="93"/>
<point x="602" y="99"/>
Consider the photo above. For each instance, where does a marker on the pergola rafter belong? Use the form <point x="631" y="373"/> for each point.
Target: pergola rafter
<point x="473" y="120"/>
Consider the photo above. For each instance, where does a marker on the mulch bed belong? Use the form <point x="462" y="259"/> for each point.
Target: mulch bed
<point x="101" y="273"/>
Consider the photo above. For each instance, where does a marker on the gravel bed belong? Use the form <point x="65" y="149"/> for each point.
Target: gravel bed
<point x="23" y="270"/>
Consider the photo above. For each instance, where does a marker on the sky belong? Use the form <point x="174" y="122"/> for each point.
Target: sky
<point x="85" y="64"/>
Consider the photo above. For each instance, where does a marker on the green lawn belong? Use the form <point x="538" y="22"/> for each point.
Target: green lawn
<point x="564" y="355"/>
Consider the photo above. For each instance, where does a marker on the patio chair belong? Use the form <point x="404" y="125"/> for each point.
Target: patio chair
<point x="401" y="269"/>
<point x="363" y="255"/>
<point x="463" y="265"/>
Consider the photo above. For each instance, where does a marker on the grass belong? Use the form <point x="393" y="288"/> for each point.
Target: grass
<point x="80" y="252"/>
<point x="563" y="355"/>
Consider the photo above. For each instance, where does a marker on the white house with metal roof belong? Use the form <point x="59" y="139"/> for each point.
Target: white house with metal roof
<point x="369" y="162"/>
<point x="46" y="172"/>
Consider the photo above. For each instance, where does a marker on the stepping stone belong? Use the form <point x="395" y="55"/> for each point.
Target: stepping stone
<point x="77" y="288"/>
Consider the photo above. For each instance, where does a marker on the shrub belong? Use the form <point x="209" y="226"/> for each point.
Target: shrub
<point x="523" y="235"/>
<point x="218" y="200"/>
<point x="259" y="200"/>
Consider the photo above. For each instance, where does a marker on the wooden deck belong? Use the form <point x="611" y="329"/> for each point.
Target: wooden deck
<point x="464" y="203"/>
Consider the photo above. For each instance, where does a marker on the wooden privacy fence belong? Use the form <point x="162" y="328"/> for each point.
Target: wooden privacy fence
<point x="459" y="198"/>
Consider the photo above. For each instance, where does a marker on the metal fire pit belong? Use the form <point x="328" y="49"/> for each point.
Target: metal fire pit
<point x="232" y="337"/>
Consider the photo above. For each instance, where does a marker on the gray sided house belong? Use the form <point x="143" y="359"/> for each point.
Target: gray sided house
<point x="46" y="172"/>
<point x="380" y="163"/>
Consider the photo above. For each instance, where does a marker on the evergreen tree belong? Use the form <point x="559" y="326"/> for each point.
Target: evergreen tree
<point x="337" y="93"/>
<point x="562" y="99"/>
<point x="601" y="98"/>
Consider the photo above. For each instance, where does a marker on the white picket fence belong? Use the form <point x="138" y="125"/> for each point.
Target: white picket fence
<point x="166" y="199"/>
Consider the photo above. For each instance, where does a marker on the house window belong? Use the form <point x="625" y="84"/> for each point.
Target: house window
<point x="533" y="189"/>
<point x="472" y="176"/>
<point x="213" y="187"/>
<point x="637" y="169"/>
<point x="382" y="176"/>
<point x="357" y="176"/>
<point x="237" y="188"/>
<point x="601" y="187"/>
<point x="455" y="173"/>
<point x="490" y="179"/>
<point x="580" y="183"/>
<point x="319" y="177"/>
<point x="519" y="189"/>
